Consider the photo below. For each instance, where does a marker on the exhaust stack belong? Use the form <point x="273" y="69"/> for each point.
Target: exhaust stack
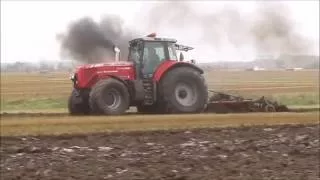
<point x="117" y="53"/>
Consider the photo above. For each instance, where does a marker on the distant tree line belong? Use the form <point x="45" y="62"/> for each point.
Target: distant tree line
<point x="282" y="62"/>
<point x="36" y="67"/>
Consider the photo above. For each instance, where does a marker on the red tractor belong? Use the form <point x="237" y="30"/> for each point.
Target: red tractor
<point x="153" y="79"/>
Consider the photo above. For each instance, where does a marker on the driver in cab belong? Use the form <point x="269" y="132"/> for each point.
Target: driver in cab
<point x="152" y="61"/>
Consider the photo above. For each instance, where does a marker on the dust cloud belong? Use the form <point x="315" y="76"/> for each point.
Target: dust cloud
<point x="270" y="29"/>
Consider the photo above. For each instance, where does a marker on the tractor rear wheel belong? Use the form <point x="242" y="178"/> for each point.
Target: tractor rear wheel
<point x="77" y="105"/>
<point x="110" y="97"/>
<point x="184" y="90"/>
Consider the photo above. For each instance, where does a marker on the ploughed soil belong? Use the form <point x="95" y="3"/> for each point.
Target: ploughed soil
<point x="273" y="152"/>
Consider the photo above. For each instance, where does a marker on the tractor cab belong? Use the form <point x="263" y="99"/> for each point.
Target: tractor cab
<point x="149" y="52"/>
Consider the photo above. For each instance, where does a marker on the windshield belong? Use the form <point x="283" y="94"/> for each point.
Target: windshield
<point x="134" y="54"/>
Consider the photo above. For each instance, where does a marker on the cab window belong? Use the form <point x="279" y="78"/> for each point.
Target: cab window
<point x="134" y="53"/>
<point x="153" y="55"/>
<point x="172" y="52"/>
<point x="154" y="49"/>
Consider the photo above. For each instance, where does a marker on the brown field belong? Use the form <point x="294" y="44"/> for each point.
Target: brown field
<point x="264" y="82"/>
<point x="19" y="86"/>
<point x="63" y="124"/>
<point x="172" y="147"/>
<point x="49" y="92"/>
<point x="286" y="152"/>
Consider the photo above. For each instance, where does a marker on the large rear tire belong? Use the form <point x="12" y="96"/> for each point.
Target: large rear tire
<point x="184" y="90"/>
<point x="77" y="105"/>
<point x="110" y="97"/>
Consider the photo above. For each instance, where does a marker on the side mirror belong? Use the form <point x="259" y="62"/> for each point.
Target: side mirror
<point x="193" y="61"/>
<point x="181" y="58"/>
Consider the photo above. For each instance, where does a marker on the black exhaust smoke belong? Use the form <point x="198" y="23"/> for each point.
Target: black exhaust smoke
<point x="90" y="42"/>
<point x="269" y="30"/>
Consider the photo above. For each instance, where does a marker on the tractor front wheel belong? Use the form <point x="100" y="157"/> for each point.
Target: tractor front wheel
<point x="110" y="97"/>
<point x="184" y="91"/>
<point x="77" y="105"/>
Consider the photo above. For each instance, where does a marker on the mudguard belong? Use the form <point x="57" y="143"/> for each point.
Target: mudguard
<point x="170" y="64"/>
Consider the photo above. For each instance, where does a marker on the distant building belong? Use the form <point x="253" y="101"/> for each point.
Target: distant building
<point x="294" y="69"/>
<point x="255" y="68"/>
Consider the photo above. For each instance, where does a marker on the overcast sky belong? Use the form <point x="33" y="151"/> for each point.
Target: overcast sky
<point x="28" y="28"/>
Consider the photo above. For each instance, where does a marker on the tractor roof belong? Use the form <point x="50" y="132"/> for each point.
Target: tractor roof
<point x="152" y="37"/>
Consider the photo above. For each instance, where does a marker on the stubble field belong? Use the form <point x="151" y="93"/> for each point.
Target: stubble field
<point x="184" y="147"/>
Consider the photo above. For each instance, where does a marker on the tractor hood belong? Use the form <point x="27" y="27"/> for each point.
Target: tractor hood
<point x="106" y="64"/>
<point x="86" y="75"/>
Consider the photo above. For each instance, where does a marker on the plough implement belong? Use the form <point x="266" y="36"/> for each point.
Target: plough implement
<point x="221" y="102"/>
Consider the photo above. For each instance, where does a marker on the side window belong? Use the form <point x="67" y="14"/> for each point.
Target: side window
<point x="172" y="52"/>
<point x="160" y="53"/>
<point x="145" y="53"/>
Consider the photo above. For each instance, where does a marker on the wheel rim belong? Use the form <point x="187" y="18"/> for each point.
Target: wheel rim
<point x="186" y="94"/>
<point x="112" y="99"/>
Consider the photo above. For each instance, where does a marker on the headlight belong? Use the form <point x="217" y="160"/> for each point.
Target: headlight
<point x="72" y="77"/>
